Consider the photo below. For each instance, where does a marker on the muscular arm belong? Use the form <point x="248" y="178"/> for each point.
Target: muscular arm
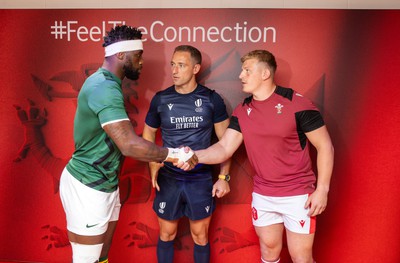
<point x="223" y="149"/>
<point x="124" y="136"/>
<point x="221" y="186"/>
<point x="220" y="129"/>
<point x="149" y="133"/>
<point x="321" y="140"/>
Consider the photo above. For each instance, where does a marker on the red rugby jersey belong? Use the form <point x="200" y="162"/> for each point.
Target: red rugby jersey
<point x="274" y="136"/>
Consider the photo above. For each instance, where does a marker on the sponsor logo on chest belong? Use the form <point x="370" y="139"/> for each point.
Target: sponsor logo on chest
<point x="187" y="122"/>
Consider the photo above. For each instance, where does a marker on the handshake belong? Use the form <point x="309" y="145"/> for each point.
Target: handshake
<point x="183" y="158"/>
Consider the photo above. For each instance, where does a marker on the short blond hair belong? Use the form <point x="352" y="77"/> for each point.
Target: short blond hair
<point x="262" y="56"/>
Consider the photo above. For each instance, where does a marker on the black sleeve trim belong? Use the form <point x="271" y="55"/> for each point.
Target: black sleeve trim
<point x="285" y="92"/>
<point x="234" y="124"/>
<point x="307" y="121"/>
<point x="247" y="100"/>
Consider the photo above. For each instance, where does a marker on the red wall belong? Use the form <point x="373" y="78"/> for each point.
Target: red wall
<point x="346" y="61"/>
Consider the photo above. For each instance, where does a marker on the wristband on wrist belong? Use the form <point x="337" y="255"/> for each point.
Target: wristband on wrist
<point x="225" y="177"/>
<point x="178" y="154"/>
<point x="172" y="153"/>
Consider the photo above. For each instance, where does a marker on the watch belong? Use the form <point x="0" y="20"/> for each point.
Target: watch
<point x="225" y="177"/>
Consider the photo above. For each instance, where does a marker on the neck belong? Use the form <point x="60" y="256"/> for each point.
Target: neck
<point x="264" y="92"/>
<point x="187" y="88"/>
<point x="111" y="66"/>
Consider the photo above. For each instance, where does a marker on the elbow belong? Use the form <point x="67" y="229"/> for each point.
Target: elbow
<point x="124" y="151"/>
<point x="226" y="156"/>
<point x="127" y="149"/>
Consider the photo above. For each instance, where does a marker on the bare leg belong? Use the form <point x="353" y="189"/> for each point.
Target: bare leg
<point x="199" y="230"/>
<point x="108" y="238"/>
<point x="165" y="245"/>
<point x="168" y="229"/>
<point x="300" y="247"/>
<point x="271" y="238"/>
<point x="86" y="240"/>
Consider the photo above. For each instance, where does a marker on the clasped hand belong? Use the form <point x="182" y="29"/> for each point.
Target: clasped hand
<point x="183" y="158"/>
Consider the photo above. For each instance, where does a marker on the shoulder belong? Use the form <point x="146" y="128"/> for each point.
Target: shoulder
<point x="100" y="84"/>
<point x="207" y="94"/>
<point x="203" y="89"/>
<point x="165" y="92"/>
<point x="214" y="95"/>
<point x="103" y="75"/>
<point x="286" y="93"/>
<point x="246" y="101"/>
<point x="241" y="108"/>
<point x="293" y="96"/>
<point x="302" y="102"/>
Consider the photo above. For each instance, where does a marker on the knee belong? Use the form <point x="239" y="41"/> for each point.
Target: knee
<point x="270" y="251"/>
<point x="167" y="236"/>
<point x="301" y="254"/>
<point x="200" y="238"/>
<point x="271" y="244"/>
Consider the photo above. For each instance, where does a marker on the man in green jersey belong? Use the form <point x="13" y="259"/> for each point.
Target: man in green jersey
<point x="102" y="135"/>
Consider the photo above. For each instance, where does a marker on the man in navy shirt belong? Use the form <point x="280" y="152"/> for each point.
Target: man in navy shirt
<point x="187" y="113"/>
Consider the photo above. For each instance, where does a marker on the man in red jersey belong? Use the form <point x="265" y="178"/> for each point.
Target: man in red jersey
<point x="277" y="124"/>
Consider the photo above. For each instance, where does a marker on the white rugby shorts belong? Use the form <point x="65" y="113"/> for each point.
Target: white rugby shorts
<point x="88" y="211"/>
<point x="290" y="211"/>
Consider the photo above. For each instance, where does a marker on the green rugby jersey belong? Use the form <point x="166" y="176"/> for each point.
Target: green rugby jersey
<point x="96" y="159"/>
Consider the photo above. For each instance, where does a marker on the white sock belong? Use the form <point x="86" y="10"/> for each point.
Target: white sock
<point x="265" y="261"/>
<point x="85" y="253"/>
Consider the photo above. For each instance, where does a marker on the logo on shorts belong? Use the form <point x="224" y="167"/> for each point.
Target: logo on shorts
<point x="162" y="206"/>
<point x="207" y="208"/>
<point x="302" y="222"/>
<point x="90" y="226"/>
<point x="254" y="213"/>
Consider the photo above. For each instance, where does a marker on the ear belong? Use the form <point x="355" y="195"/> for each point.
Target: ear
<point x="196" y="68"/>
<point x="266" y="74"/>
<point x="120" y="55"/>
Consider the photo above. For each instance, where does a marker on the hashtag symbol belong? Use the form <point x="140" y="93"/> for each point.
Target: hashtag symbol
<point x="58" y="30"/>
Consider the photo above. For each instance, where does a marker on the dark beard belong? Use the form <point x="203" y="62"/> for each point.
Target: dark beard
<point x="131" y="74"/>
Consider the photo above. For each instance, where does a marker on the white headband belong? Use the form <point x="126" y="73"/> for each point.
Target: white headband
<point x="123" y="46"/>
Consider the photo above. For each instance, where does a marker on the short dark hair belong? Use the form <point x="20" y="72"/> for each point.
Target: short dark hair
<point x="195" y="54"/>
<point x="120" y="33"/>
<point x="262" y="56"/>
